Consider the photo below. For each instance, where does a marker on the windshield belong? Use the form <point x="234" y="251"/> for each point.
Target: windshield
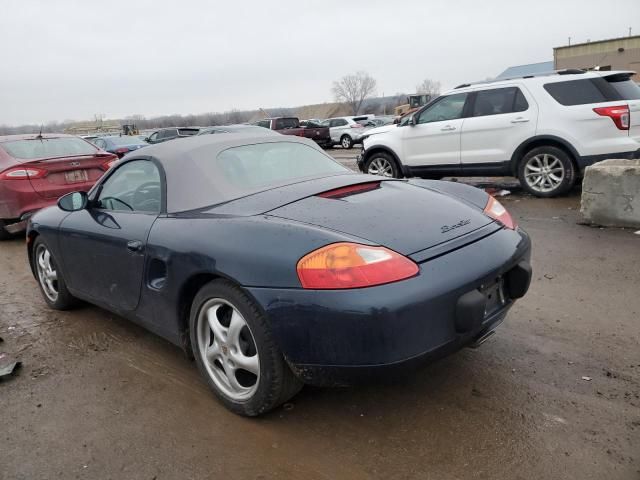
<point x="126" y="140"/>
<point x="48" y="148"/>
<point x="240" y="171"/>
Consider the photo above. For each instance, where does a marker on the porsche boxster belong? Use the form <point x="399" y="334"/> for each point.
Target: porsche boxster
<point x="274" y="266"/>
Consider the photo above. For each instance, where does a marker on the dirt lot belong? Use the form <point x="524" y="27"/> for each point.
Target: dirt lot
<point x="99" y="397"/>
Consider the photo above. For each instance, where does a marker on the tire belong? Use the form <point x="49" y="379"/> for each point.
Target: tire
<point x="223" y="304"/>
<point x="383" y="164"/>
<point x="53" y="288"/>
<point x="346" y="141"/>
<point x="4" y="235"/>
<point x="557" y="172"/>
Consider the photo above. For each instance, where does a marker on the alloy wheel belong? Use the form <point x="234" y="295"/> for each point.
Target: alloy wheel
<point x="227" y="349"/>
<point x="47" y="273"/>
<point x="380" y="166"/>
<point x="346" y="142"/>
<point x="544" y="172"/>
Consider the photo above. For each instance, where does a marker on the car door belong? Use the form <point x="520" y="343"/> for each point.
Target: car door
<point x="103" y="246"/>
<point x="500" y="119"/>
<point x="336" y="128"/>
<point x="434" y="137"/>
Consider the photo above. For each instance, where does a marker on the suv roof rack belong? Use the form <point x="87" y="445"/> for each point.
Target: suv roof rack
<point x="567" y="71"/>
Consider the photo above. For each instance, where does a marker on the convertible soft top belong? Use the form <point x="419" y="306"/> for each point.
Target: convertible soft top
<point x="189" y="185"/>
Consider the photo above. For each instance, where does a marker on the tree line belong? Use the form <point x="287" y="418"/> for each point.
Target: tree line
<point x="356" y="91"/>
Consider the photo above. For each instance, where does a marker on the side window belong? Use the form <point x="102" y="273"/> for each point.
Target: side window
<point x="580" y="92"/>
<point x="153" y="137"/>
<point x="169" y="133"/>
<point x="338" y="122"/>
<point x="520" y="103"/>
<point x="264" y="123"/>
<point x="448" y="108"/>
<point x="133" y="187"/>
<point x="498" y="101"/>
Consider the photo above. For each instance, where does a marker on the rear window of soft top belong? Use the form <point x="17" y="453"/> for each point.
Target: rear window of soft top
<point x="30" y="149"/>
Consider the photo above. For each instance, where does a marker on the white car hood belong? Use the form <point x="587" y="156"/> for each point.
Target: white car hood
<point x="383" y="129"/>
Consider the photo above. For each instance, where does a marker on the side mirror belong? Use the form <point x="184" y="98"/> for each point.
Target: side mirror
<point x="73" y="202"/>
<point x="412" y="120"/>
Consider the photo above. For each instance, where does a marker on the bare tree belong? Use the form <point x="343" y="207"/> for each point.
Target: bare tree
<point x="354" y="89"/>
<point x="431" y="87"/>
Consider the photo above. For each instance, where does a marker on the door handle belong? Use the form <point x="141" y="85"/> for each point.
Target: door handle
<point x="448" y="128"/>
<point x="134" y="246"/>
<point x="520" y="120"/>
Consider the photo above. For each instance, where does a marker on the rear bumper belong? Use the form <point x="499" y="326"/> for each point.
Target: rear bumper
<point x="334" y="336"/>
<point x="585" y="161"/>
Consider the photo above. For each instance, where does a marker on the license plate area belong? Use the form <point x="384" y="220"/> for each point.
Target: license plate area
<point x="76" y="176"/>
<point x="495" y="298"/>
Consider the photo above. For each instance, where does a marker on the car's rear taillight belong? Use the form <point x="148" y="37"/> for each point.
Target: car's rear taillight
<point x="357" y="125"/>
<point x="352" y="265"/>
<point x="495" y="210"/>
<point x="22" y="173"/>
<point x="619" y="114"/>
<point x="109" y="163"/>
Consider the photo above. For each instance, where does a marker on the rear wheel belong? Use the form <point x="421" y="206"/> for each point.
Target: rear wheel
<point x="382" y="164"/>
<point x="50" y="279"/>
<point x="235" y="352"/>
<point x="4" y="235"/>
<point x="546" y="172"/>
<point x="346" y="141"/>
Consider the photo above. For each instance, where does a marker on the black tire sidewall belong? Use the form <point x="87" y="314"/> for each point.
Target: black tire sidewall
<point x="386" y="156"/>
<point x="350" y="141"/>
<point x="272" y="365"/>
<point x="569" y="171"/>
<point x="65" y="300"/>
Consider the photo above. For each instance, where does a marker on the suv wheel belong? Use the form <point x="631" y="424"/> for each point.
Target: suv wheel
<point x="546" y="172"/>
<point x="382" y="164"/>
<point x="346" y="142"/>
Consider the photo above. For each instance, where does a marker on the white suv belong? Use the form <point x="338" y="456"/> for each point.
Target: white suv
<point x="543" y="129"/>
<point x="346" y="131"/>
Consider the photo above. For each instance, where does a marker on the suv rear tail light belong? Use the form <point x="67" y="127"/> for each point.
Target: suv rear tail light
<point x="495" y="210"/>
<point x="619" y="114"/>
<point x="357" y="125"/>
<point x="352" y="265"/>
<point x="21" y="173"/>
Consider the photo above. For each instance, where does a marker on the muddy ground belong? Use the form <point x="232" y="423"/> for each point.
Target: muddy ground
<point x="99" y="397"/>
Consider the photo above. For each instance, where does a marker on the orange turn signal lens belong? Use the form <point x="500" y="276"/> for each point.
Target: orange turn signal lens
<point x="495" y="210"/>
<point x="352" y="265"/>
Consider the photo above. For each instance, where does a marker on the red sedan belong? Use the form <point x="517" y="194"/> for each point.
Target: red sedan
<point x="35" y="170"/>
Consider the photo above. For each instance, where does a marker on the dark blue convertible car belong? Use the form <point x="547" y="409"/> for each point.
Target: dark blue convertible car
<point x="276" y="266"/>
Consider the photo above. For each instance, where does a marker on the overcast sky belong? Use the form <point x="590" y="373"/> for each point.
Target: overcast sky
<point x="71" y="59"/>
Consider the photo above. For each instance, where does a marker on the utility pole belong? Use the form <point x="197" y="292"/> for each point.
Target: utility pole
<point x="629" y="31"/>
<point x="569" y="41"/>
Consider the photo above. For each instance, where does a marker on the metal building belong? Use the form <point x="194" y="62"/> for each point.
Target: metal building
<point x="613" y="54"/>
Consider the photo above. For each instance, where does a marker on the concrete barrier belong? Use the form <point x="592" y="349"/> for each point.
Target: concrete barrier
<point x="611" y="194"/>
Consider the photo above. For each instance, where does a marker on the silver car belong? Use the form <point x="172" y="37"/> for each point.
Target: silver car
<point x="346" y="131"/>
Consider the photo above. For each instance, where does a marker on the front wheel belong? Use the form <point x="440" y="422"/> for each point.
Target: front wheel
<point x="235" y="352"/>
<point x="382" y="164"/>
<point x="50" y="279"/>
<point x="546" y="172"/>
<point x="346" y="141"/>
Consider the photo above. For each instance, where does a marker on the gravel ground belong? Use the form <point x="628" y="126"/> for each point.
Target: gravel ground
<point x="99" y="397"/>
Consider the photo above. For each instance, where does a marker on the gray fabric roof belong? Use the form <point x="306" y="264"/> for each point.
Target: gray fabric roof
<point x="178" y="158"/>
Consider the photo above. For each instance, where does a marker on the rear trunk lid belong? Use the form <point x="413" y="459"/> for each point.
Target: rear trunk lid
<point x="396" y="214"/>
<point x="66" y="173"/>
